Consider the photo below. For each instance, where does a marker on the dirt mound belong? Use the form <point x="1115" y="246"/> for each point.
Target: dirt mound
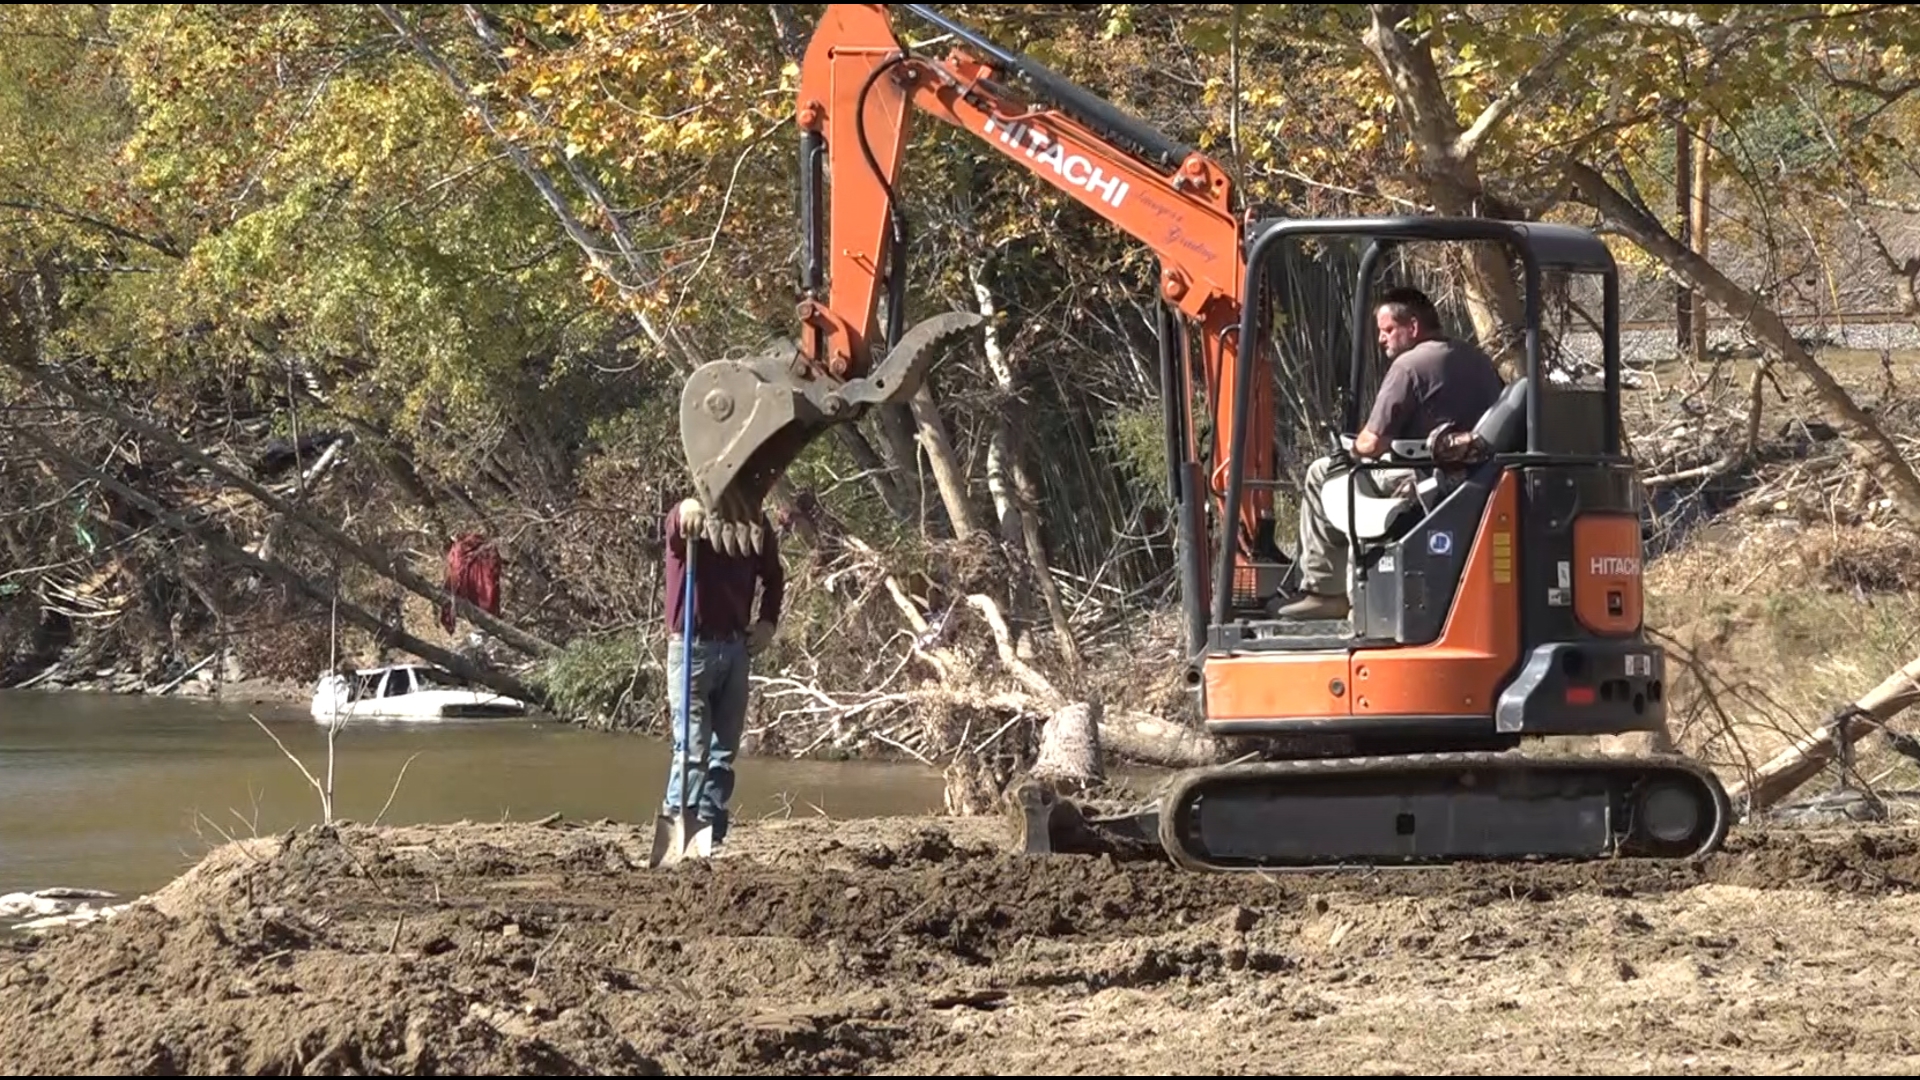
<point x="1841" y="860"/>
<point x="858" y="947"/>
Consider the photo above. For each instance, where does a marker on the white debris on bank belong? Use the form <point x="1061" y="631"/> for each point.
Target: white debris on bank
<point x="57" y="907"/>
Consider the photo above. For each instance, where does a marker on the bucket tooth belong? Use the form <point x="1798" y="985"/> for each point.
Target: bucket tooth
<point x="743" y="423"/>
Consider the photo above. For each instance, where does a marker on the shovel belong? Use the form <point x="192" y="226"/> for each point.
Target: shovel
<point x="682" y="835"/>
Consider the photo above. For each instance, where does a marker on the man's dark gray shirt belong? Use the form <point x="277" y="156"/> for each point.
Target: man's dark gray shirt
<point x="1438" y="381"/>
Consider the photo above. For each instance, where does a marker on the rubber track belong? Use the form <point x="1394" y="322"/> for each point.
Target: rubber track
<point x="1184" y="786"/>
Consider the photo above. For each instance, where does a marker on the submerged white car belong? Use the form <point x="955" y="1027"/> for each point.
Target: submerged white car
<point x="407" y="692"/>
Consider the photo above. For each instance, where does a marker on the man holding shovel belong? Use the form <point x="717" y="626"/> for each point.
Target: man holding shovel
<point x="714" y="664"/>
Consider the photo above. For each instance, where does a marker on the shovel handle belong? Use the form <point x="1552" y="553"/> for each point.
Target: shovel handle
<point x="686" y="669"/>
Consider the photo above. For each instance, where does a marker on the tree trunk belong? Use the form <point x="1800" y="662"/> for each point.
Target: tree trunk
<point x="793" y="36"/>
<point x="1684" y="298"/>
<point x="1804" y="760"/>
<point x="391" y="568"/>
<point x="1449" y="172"/>
<point x="1037" y="558"/>
<point x="884" y="479"/>
<point x="999" y="485"/>
<point x="944" y="463"/>
<point x="1869" y="442"/>
<point x="1494" y="302"/>
<point x="895" y="424"/>
<point x="1006" y="512"/>
<point x="228" y="553"/>
<point x="1018" y="508"/>
<point x="1007" y="517"/>
<point x="1700" y="185"/>
<point x="1150" y="740"/>
<point x="1070" y="747"/>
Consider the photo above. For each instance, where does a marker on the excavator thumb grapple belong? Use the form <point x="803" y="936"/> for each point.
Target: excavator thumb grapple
<point x="744" y="422"/>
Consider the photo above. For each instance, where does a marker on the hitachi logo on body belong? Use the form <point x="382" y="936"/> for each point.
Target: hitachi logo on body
<point x="1075" y="169"/>
<point x="1614" y="566"/>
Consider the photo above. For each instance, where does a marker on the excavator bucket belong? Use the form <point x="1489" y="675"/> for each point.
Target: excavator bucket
<point x="744" y="422"/>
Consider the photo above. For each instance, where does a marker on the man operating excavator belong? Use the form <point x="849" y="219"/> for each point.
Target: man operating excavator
<point x="1432" y="380"/>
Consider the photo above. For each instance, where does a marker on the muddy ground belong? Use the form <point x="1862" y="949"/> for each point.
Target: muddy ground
<point x="919" y="947"/>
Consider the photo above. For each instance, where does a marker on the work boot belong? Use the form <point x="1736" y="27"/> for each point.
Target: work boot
<point x="1316" y="606"/>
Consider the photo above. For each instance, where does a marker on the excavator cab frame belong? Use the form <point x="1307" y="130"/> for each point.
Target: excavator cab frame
<point x="1406" y="570"/>
<point x="1498" y="601"/>
<point x="1502" y="602"/>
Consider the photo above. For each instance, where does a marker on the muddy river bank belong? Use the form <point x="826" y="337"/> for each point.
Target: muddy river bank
<point x="918" y="945"/>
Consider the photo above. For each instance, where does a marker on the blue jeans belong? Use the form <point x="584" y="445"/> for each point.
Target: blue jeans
<point x="719" y="717"/>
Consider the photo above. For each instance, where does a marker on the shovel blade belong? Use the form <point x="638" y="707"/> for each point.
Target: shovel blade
<point x="670" y="833"/>
<point x="677" y="837"/>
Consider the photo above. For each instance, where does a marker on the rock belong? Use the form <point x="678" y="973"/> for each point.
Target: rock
<point x="62" y="893"/>
<point x="1239" y="919"/>
<point x="54" y="901"/>
<point x="58" y="907"/>
<point x="80" y="916"/>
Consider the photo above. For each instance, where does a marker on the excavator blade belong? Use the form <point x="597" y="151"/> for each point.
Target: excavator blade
<point x="743" y="423"/>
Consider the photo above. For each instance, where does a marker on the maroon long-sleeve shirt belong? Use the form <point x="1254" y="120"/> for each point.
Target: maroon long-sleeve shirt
<point x="723" y="584"/>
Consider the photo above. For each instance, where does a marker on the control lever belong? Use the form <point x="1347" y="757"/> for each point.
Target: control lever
<point x="1339" y="458"/>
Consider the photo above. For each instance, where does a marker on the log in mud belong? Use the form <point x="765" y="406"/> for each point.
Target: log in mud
<point x="923" y="945"/>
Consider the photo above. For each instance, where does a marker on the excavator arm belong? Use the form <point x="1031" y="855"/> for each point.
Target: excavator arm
<point x="744" y="422"/>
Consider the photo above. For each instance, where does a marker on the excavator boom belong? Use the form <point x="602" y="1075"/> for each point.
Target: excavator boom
<point x="744" y="422"/>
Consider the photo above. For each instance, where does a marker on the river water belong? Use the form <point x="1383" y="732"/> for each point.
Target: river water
<point x="123" y="793"/>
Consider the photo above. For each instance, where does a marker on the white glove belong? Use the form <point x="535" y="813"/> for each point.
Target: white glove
<point x="692" y="516"/>
<point x="761" y="637"/>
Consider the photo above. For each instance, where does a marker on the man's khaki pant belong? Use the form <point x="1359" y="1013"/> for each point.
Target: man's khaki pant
<point x="1323" y="543"/>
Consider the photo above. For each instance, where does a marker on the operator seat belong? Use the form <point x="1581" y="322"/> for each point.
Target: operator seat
<point x="1502" y="429"/>
<point x="1379" y="517"/>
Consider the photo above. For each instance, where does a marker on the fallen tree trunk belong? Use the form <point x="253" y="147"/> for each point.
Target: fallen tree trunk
<point x="392" y="568"/>
<point x="1080" y="741"/>
<point x="1136" y="737"/>
<point x="220" y="549"/>
<point x="1085" y="726"/>
<point x="1868" y="439"/>
<point x="1152" y="740"/>
<point x="1805" y="759"/>
<point x="1070" y="750"/>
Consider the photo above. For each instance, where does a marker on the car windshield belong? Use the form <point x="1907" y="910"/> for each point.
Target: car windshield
<point x="429" y="679"/>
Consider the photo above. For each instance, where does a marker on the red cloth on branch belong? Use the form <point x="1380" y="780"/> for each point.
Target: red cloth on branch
<point x="473" y="575"/>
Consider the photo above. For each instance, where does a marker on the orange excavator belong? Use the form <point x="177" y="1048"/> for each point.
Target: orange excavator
<point x="1497" y="603"/>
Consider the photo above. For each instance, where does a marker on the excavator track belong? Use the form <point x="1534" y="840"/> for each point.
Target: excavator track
<point x="1428" y="809"/>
